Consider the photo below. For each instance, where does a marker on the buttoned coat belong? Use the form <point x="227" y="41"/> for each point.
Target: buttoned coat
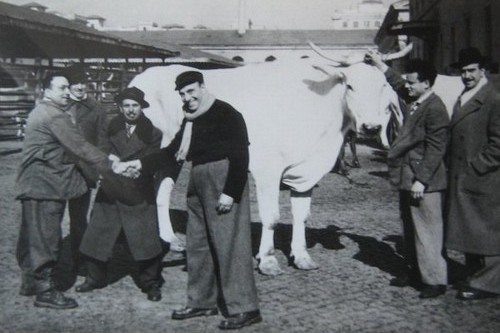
<point x="110" y="216"/>
<point x="418" y="151"/>
<point x="473" y="200"/>
<point x="51" y="147"/>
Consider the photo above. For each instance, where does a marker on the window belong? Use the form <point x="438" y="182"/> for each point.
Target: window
<point x="377" y="24"/>
<point x="355" y="24"/>
<point x="367" y="24"/>
<point x="345" y="24"/>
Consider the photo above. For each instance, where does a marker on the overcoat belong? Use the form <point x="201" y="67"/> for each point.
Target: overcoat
<point x="418" y="151"/>
<point x="473" y="200"/>
<point x="110" y="216"/>
<point x="91" y="120"/>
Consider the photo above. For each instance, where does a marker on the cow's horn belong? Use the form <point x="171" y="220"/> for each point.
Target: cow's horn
<point x="385" y="57"/>
<point x="400" y="54"/>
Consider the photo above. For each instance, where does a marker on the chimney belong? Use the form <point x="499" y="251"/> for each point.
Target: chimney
<point x="242" y="21"/>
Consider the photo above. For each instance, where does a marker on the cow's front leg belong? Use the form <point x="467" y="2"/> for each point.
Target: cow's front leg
<point x="164" y="223"/>
<point x="301" y="205"/>
<point x="268" y="200"/>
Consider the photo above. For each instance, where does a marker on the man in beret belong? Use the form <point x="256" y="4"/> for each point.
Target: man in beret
<point x="90" y="119"/>
<point x="48" y="177"/>
<point x="214" y="138"/>
<point x="131" y="225"/>
<point x="473" y="201"/>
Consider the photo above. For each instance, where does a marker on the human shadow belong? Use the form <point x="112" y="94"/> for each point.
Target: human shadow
<point x="379" y="254"/>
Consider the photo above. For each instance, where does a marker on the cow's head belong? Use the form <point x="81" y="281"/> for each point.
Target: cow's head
<point x="370" y="100"/>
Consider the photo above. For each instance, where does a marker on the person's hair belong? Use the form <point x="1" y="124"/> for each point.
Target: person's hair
<point x="47" y="81"/>
<point x="424" y="69"/>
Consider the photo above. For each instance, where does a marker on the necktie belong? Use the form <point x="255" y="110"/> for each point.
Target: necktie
<point x="129" y="130"/>
<point x="414" y="107"/>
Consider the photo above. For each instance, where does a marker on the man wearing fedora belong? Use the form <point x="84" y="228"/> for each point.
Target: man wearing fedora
<point x="114" y="221"/>
<point x="473" y="201"/>
<point x="90" y="119"/>
<point x="214" y="138"/>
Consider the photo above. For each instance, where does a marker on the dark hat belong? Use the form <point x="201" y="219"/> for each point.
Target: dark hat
<point x="187" y="78"/>
<point x="75" y="74"/>
<point x="467" y="56"/>
<point x="133" y="93"/>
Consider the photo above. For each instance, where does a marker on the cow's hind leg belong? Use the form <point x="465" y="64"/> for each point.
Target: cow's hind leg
<point x="268" y="199"/>
<point x="301" y="205"/>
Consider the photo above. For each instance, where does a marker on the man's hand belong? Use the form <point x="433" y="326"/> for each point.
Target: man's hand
<point x="225" y="204"/>
<point x="373" y="57"/>
<point x="129" y="169"/>
<point x="417" y="190"/>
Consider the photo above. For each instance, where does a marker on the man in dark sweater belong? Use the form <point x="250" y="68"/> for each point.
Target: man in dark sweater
<point x="219" y="256"/>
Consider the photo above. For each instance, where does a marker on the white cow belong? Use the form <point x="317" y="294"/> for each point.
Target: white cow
<point x="294" y="115"/>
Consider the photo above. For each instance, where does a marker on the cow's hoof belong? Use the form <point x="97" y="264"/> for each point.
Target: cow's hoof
<point x="305" y="263"/>
<point x="269" y="266"/>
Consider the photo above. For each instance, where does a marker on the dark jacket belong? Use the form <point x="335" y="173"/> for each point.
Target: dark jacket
<point x="473" y="205"/>
<point x="91" y="121"/>
<point x="417" y="153"/>
<point x="110" y="216"/>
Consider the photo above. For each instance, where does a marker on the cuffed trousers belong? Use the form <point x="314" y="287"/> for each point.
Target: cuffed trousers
<point x="218" y="247"/>
<point x="423" y="235"/>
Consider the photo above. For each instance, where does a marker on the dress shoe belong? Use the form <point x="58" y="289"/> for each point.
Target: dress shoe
<point x="240" y="320"/>
<point x="188" y="312"/>
<point x="432" y="291"/>
<point x="468" y="293"/>
<point x="154" y="293"/>
<point x="87" y="286"/>
<point x="54" y="299"/>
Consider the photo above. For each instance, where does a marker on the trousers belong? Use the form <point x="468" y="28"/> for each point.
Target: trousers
<point x="39" y="243"/>
<point x="218" y="246"/>
<point x="423" y="230"/>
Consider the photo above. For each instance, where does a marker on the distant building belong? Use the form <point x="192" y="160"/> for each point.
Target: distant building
<point x="439" y="29"/>
<point x="368" y="15"/>
<point x="94" y="21"/>
<point x="260" y="45"/>
<point x="35" y="6"/>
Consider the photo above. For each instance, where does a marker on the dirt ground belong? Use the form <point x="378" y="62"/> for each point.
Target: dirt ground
<point x="352" y="234"/>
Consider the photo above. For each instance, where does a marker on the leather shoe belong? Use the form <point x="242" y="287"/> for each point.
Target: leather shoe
<point x="188" y="312"/>
<point x="432" y="291"/>
<point x="240" y="320"/>
<point x="468" y="293"/>
<point x="154" y="293"/>
<point x="87" y="286"/>
<point x="54" y="299"/>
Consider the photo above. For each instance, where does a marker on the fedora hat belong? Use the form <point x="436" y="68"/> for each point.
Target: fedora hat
<point x="467" y="56"/>
<point x="133" y="93"/>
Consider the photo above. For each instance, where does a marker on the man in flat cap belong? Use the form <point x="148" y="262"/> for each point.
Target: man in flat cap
<point x="473" y="201"/>
<point x="90" y="119"/>
<point x="131" y="225"/>
<point x="218" y="246"/>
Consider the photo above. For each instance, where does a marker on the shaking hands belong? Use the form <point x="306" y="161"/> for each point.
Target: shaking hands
<point x="130" y="169"/>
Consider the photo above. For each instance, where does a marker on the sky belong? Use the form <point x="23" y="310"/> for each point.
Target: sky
<point x="214" y="14"/>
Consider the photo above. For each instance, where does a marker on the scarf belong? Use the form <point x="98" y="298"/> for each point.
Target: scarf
<point x="206" y="103"/>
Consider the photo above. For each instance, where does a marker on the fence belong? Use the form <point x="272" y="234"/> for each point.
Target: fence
<point x="20" y="88"/>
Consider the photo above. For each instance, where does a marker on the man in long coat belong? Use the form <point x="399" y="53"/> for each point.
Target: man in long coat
<point x="129" y="136"/>
<point x="90" y="119"/>
<point x="473" y="205"/>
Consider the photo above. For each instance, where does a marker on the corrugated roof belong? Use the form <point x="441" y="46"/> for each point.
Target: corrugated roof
<point x="30" y="34"/>
<point x="218" y="38"/>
